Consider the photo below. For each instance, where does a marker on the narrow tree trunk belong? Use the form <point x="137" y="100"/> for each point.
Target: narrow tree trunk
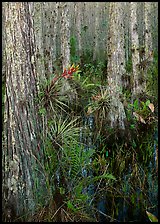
<point x="78" y="24"/>
<point x="154" y="25"/>
<point x="126" y="19"/>
<point x="148" y="36"/>
<point x="96" y="37"/>
<point x="116" y="64"/>
<point x="65" y="35"/>
<point x="137" y="87"/>
<point x="22" y="174"/>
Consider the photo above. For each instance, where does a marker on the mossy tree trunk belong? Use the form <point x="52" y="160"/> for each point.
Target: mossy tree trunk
<point x="116" y="64"/>
<point x="23" y="178"/>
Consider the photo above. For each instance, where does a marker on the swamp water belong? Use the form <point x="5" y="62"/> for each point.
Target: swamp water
<point x="124" y="211"/>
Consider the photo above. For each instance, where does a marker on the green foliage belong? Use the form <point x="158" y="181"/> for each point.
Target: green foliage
<point x="152" y="217"/>
<point x="73" y="45"/>
<point x="50" y="97"/>
<point x="104" y="176"/>
<point x="50" y="157"/>
<point x="78" y="201"/>
<point x="74" y="160"/>
<point x="99" y="106"/>
<point x="94" y="71"/>
<point x="110" y="160"/>
<point x="152" y="78"/>
<point x="62" y="132"/>
<point x="129" y="66"/>
<point x="142" y="112"/>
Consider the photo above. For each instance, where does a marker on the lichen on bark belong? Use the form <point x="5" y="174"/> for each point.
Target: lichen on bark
<point x="116" y="65"/>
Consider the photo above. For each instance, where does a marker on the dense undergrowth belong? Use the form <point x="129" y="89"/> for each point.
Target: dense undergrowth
<point x="86" y="162"/>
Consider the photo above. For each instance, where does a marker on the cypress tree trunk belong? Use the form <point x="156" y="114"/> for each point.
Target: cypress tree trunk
<point x="116" y="64"/>
<point x="65" y="35"/>
<point x="148" y="36"/>
<point x="127" y="30"/>
<point x="22" y="173"/>
<point x="78" y="24"/>
<point x="137" y="87"/>
<point x="96" y="37"/>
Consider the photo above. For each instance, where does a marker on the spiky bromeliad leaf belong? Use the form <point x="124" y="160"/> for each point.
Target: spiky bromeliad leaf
<point x="152" y="217"/>
<point x="64" y="131"/>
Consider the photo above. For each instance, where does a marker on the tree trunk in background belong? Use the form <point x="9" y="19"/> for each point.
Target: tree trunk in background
<point x="38" y="18"/>
<point x="127" y="39"/>
<point x="154" y="25"/>
<point x="104" y="25"/>
<point x="137" y="87"/>
<point x="140" y="29"/>
<point x="116" y="64"/>
<point x="45" y="18"/>
<point x="22" y="174"/>
<point x="36" y="43"/>
<point x="96" y="37"/>
<point x="65" y="35"/>
<point x="49" y="35"/>
<point x="148" y="36"/>
<point x="78" y="23"/>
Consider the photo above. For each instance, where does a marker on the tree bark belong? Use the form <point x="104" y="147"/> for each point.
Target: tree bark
<point x="65" y="35"/>
<point x="23" y="179"/>
<point x="116" y="64"/>
<point x="78" y="11"/>
<point x="137" y="87"/>
<point x="96" y="36"/>
<point x="148" y="36"/>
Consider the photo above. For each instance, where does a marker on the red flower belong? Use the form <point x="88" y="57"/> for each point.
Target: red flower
<point x="69" y="73"/>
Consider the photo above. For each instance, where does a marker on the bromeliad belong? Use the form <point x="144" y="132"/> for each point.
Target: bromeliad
<point x="69" y="73"/>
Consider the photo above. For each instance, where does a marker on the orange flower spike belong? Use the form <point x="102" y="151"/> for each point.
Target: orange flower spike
<point x="72" y="66"/>
<point x="77" y="67"/>
<point x="73" y="69"/>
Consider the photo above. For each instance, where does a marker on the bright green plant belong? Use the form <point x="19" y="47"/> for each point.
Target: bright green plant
<point x="94" y="72"/>
<point x="151" y="217"/>
<point x="62" y="132"/>
<point x="142" y="111"/>
<point x="64" y="152"/>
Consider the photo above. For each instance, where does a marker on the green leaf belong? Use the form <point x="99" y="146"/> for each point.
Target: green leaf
<point x="70" y="206"/>
<point x="42" y="111"/>
<point x="148" y="102"/>
<point x="106" y="153"/>
<point x="62" y="190"/>
<point x="136" y="106"/>
<point x="104" y="176"/>
<point x="152" y="217"/>
<point x="132" y="126"/>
